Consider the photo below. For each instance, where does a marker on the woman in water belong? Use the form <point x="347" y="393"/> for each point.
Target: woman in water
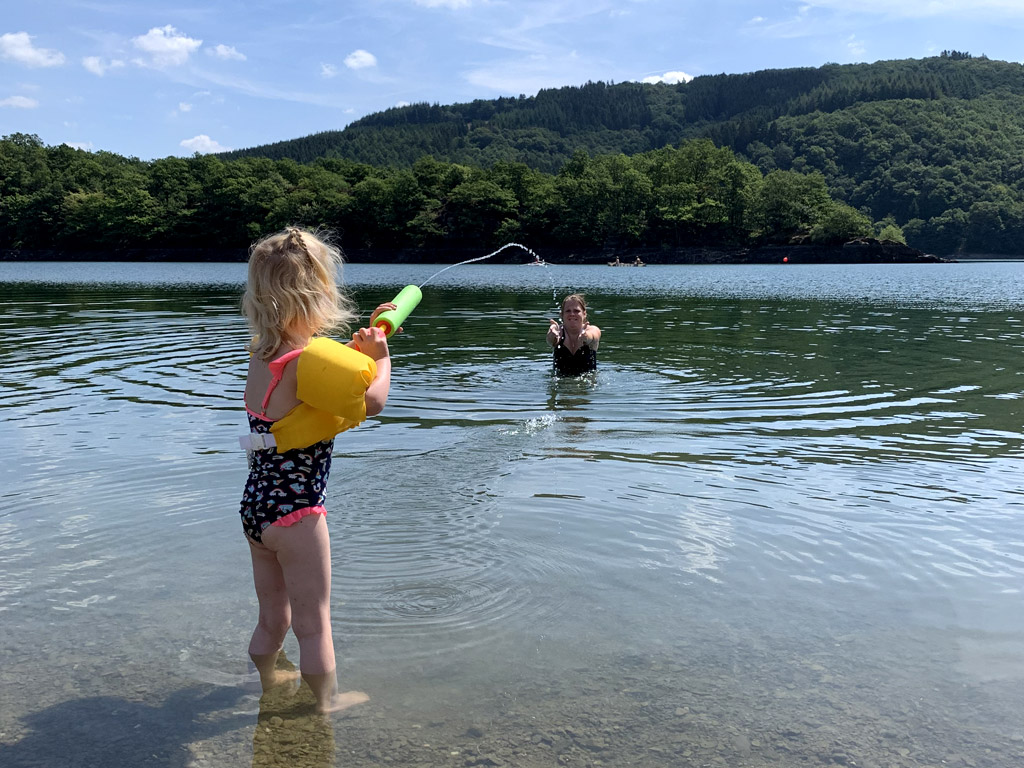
<point x="574" y="339"/>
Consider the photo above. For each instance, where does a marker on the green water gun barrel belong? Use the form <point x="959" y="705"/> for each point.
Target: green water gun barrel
<point x="405" y="302"/>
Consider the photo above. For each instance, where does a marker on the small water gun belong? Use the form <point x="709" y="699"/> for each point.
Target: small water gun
<point x="405" y="302"/>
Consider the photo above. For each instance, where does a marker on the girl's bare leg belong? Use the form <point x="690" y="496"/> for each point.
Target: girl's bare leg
<point x="275" y="616"/>
<point x="304" y="552"/>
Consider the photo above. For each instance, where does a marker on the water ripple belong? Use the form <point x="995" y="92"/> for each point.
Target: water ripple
<point x="748" y="445"/>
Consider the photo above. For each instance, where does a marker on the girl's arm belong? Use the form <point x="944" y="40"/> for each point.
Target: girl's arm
<point x="373" y="343"/>
<point x="591" y="336"/>
<point x="377" y="393"/>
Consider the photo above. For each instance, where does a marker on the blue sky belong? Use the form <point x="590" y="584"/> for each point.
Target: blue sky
<point x="155" y="78"/>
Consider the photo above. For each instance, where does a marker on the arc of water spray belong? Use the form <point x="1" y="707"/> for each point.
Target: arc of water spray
<point x="481" y="258"/>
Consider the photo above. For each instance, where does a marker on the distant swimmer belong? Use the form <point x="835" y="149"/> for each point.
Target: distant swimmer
<point x="575" y="340"/>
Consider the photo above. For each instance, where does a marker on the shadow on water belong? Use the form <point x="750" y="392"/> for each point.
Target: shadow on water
<point x="113" y="731"/>
<point x="290" y="732"/>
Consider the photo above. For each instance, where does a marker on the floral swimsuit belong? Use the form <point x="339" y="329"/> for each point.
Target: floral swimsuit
<point x="282" y="487"/>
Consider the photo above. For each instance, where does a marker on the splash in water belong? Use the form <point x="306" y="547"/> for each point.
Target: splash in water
<point x="554" y="293"/>
<point x="536" y="258"/>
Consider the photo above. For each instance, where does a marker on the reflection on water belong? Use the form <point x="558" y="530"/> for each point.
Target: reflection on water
<point x="779" y="526"/>
<point x="289" y="732"/>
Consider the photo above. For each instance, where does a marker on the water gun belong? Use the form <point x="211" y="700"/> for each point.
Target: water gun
<point x="405" y="302"/>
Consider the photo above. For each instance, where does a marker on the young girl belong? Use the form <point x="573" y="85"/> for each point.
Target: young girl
<point x="292" y="295"/>
<point x="575" y="340"/>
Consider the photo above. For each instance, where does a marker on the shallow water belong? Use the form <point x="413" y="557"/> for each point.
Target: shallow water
<point x="781" y="526"/>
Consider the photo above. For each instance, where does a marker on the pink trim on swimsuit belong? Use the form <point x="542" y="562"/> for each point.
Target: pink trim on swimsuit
<point x="268" y="490"/>
<point x="277" y="371"/>
<point x="298" y="514"/>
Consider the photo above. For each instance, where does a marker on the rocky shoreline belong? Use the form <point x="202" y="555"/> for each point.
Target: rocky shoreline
<point x="861" y="251"/>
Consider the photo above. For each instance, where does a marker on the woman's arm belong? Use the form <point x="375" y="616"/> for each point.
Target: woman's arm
<point x="554" y="332"/>
<point x="591" y="336"/>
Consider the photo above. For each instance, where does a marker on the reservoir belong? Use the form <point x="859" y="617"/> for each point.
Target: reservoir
<point x="781" y="525"/>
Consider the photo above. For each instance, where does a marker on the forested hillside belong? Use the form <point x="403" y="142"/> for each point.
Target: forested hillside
<point x="934" y="145"/>
<point x="68" y="200"/>
<point x="930" y="150"/>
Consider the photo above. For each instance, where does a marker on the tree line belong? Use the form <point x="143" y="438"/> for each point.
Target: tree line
<point x="931" y="145"/>
<point x="66" y="199"/>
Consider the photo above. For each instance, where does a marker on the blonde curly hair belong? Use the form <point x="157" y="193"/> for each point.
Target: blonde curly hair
<point x="293" y="278"/>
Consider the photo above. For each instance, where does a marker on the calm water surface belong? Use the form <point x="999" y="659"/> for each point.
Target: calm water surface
<point x="781" y="526"/>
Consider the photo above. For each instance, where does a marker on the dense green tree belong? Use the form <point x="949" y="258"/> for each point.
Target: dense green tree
<point x="837" y="223"/>
<point x="928" y="149"/>
<point x="789" y="205"/>
<point x="910" y="139"/>
<point x="893" y="234"/>
<point x="476" y="209"/>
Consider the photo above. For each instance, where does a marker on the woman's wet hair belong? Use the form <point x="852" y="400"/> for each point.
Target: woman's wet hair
<point x="577" y="297"/>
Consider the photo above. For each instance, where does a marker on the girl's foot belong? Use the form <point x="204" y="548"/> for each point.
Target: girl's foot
<point x="274" y="669"/>
<point x="279" y="677"/>
<point x="328" y="699"/>
<point x="340" y="701"/>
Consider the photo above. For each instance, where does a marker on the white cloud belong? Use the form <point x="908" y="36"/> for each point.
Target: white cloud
<point x="86" y="145"/>
<point x="402" y="104"/>
<point x="855" y="46"/>
<point x="184" y="106"/>
<point x="924" y="8"/>
<point x="98" y="67"/>
<point x="226" y="52"/>
<point x="672" y="78"/>
<point x="17" y="46"/>
<point x="19" y="102"/>
<point x="165" y="46"/>
<point x="266" y="91"/>
<point x="360" y="59"/>
<point x="328" y="70"/>
<point x="453" y="4"/>
<point x="203" y="144"/>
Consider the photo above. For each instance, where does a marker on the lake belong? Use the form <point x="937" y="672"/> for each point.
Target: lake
<point x="781" y="526"/>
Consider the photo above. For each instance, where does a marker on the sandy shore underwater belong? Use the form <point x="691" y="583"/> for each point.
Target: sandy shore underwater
<point x="749" y="702"/>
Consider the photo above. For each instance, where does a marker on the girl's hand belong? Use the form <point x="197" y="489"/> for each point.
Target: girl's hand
<point x="372" y="342"/>
<point x="386" y="306"/>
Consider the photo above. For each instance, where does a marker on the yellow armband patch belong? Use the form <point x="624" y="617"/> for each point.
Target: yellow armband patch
<point x="332" y="382"/>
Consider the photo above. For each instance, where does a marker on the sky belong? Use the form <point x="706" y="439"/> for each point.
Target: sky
<point x="153" y="78"/>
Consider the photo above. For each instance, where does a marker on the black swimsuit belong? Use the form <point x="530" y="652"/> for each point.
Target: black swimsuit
<point x="573" y="364"/>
